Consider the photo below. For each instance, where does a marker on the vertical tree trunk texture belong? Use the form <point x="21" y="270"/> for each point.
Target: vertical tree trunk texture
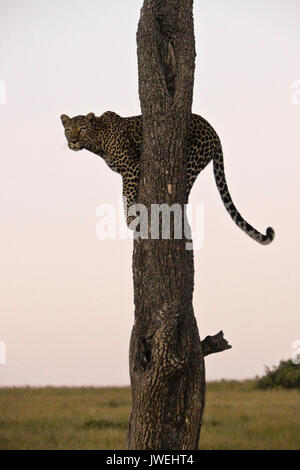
<point x="166" y="361"/>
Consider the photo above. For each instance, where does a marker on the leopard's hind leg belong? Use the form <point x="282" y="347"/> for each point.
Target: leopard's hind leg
<point x="130" y="190"/>
<point x="196" y="162"/>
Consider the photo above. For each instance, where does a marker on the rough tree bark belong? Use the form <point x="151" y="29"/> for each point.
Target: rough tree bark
<point x="166" y="360"/>
<point x="166" y="357"/>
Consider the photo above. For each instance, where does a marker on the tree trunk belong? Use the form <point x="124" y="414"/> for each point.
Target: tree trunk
<point x="166" y="360"/>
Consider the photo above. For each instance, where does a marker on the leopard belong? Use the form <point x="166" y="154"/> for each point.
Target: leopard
<point x="118" y="141"/>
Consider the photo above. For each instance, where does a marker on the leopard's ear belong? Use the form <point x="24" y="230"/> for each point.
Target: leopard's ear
<point x="90" y="117"/>
<point x="64" y="119"/>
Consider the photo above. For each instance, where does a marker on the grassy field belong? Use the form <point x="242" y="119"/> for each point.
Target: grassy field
<point x="237" y="416"/>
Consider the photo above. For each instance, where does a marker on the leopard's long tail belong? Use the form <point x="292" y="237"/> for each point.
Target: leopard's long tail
<point x="230" y="207"/>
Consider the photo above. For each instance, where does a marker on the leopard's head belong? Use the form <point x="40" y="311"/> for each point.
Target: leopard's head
<point x="80" y="131"/>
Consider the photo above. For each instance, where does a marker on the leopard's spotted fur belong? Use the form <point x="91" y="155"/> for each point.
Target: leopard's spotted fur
<point x="118" y="141"/>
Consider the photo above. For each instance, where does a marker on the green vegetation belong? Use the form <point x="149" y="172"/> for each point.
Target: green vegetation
<point x="286" y="375"/>
<point x="237" y="416"/>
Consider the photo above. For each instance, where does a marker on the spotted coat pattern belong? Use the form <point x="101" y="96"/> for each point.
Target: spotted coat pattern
<point x="118" y="141"/>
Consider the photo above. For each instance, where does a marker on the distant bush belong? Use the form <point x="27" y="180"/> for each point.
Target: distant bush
<point x="286" y="375"/>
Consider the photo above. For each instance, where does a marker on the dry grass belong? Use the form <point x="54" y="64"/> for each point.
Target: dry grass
<point x="237" y="416"/>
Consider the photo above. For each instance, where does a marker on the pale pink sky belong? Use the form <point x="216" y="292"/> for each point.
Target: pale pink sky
<point x="66" y="308"/>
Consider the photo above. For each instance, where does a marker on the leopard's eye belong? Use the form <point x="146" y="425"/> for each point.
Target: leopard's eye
<point x="82" y="129"/>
